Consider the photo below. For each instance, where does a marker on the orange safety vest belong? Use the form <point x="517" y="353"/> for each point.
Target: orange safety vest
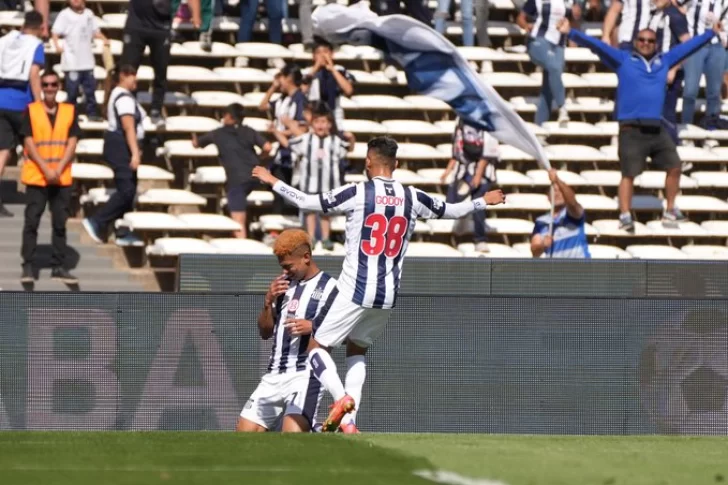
<point x="50" y="141"/>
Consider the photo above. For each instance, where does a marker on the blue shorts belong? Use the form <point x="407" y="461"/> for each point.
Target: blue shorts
<point x="238" y="196"/>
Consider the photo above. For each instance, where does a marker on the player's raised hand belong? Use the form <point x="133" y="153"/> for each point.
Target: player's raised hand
<point x="495" y="197"/>
<point x="563" y="26"/>
<point x="264" y="175"/>
<point x="299" y="326"/>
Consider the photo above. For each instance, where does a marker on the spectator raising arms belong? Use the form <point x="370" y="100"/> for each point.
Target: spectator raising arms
<point x="22" y="60"/>
<point x="290" y="104"/>
<point x="546" y="50"/>
<point x="328" y="81"/>
<point x="566" y="238"/>
<point x="236" y="144"/>
<point x="79" y="27"/>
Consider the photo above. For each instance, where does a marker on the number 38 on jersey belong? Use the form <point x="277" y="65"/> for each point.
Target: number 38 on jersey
<point x="386" y="237"/>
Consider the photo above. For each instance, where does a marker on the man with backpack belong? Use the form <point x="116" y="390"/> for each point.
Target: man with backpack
<point x="21" y="60"/>
<point x="474" y="156"/>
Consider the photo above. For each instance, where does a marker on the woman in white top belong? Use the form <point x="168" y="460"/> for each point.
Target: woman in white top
<point x="122" y="151"/>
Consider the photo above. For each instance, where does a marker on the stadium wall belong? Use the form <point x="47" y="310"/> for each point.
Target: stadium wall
<point x="446" y="363"/>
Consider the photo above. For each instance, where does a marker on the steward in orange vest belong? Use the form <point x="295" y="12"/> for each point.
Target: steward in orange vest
<point x="50" y="130"/>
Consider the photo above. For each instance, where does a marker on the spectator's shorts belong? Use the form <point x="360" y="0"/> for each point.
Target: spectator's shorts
<point x="10" y="123"/>
<point x="636" y="143"/>
<point x="238" y="196"/>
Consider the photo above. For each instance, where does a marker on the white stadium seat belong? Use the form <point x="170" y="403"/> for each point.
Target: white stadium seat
<point x="684" y="229"/>
<point x="428" y="103"/>
<point x="495" y="250"/>
<point x="511" y="178"/>
<point x="610" y="227"/>
<point x="711" y="179"/>
<point x="524" y="249"/>
<point x="191" y="74"/>
<point x="506" y="225"/>
<point x="170" y="197"/>
<point x="656" y="180"/>
<point x="363" y="126"/>
<point x="174" y="246"/>
<point x="716" y="228"/>
<point x="420" y="151"/>
<point x="601" y="178"/>
<point x="700" y="203"/>
<point x="246" y="75"/>
<point x="541" y="177"/>
<point x="190" y="124"/>
<point x="706" y="252"/>
<point x="407" y="177"/>
<point x="218" y="49"/>
<point x="654" y="251"/>
<point x="184" y="149"/>
<point x="239" y="246"/>
<point x="262" y="50"/>
<point x="593" y="202"/>
<point x="603" y="251"/>
<point x="209" y="222"/>
<point x="277" y="222"/>
<point x="152" y="172"/>
<point x="152" y="221"/>
<point x="218" y="99"/>
<point x="432" y="250"/>
<point x="91" y="171"/>
<point x="431" y="175"/>
<point x="208" y="175"/>
<point x="527" y="202"/>
<point x="412" y="127"/>
<point x="574" y="153"/>
<point x="90" y="147"/>
<point x="380" y="101"/>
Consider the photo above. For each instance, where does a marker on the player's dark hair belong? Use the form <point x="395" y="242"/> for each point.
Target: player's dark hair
<point x="321" y="42"/>
<point x="236" y="112"/>
<point x="385" y="148"/>
<point x="294" y="72"/>
<point x="50" y="73"/>
<point x="320" y="109"/>
<point x="33" y="20"/>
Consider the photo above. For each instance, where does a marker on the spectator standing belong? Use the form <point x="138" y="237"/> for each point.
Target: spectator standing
<point x="546" y="50"/>
<point x="21" y="60"/>
<point x="249" y="14"/>
<point x="475" y="154"/>
<point x="290" y="104"/>
<point x="50" y="132"/>
<point x="329" y="81"/>
<point x="709" y="60"/>
<point x="148" y="24"/>
<point x="320" y="152"/>
<point x="304" y="14"/>
<point x="560" y="233"/>
<point x="417" y="9"/>
<point x="466" y="13"/>
<point x="635" y="16"/>
<point x="79" y="27"/>
<point x="671" y="28"/>
<point x="122" y="151"/>
<point x="236" y="144"/>
<point x="642" y="77"/>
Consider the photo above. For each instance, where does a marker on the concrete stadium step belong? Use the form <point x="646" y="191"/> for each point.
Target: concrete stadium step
<point x="96" y="266"/>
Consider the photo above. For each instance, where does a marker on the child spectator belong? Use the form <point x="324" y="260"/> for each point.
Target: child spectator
<point x="320" y="151"/>
<point x="236" y="145"/>
<point x="474" y="156"/>
<point x="78" y="27"/>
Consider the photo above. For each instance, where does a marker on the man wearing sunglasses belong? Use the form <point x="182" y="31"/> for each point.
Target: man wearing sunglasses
<point x="50" y="131"/>
<point x="642" y="78"/>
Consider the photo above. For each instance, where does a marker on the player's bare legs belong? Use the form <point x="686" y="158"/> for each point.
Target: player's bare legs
<point x="240" y="218"/>
<point x="295" y="423"/>
<point x="325" y="228"/>
<point x="356" y="373"/>
<point x="246" y="426"/>
<point x="311" y="225"/>
<point x="324" y="369"/>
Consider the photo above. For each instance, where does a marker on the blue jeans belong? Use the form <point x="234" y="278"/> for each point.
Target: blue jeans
<point x="709" y="60"/>
<point x="478" y="217"/>
<point x="249" y="13"/>
<point x="669" y="109"/>
<point x="86" y="81"/>
<point x="466" y="9"/>
<point x="550" y="58"/>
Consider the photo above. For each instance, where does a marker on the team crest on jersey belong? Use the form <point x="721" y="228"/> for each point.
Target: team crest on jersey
<point x="436" y="203"/>
<point x="293" y="306"/>
<point x="330" y="198"/>
<point x="389" y="189"/>
<point x="317" y="294"/>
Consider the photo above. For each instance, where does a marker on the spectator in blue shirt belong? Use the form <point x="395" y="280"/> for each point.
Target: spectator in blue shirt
<point x="560" y="234"/>
<point x="642" y="79"/>
<point x="22" y="60"/>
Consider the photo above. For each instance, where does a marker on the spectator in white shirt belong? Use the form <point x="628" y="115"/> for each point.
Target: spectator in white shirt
<point x="78" y="27"/>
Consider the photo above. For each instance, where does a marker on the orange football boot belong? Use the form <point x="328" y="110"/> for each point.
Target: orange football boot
<point x="339" y="409"/>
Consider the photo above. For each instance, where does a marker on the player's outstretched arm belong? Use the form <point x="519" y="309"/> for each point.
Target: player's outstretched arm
<point x="429" y="208"/>
<point x="293" y="196"/>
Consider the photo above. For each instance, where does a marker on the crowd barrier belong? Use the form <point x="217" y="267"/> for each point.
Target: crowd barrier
<point x="446" y="363"/>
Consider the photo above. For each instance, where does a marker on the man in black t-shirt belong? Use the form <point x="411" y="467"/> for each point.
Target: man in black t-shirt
<point x="148" y="24"/>
<point x="236" y="147"/>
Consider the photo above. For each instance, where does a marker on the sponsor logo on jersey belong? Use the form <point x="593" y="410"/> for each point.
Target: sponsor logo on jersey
<point x="436" y="203"/>
<point x="294" y="194"/>
<point x="389" y="200"/>
<point x="330" y="198"/>
<point x="293" y="306"/>
<point x="317" y="294"/>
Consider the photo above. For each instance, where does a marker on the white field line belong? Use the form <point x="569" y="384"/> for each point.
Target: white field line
<point x="451" y="478"/>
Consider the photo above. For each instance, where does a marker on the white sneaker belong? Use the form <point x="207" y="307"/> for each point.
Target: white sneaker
<point x="390" y="72"/>
<point x="563" y="117"/>
<point x="482" y="247"/>
<point x="487" y="67"/>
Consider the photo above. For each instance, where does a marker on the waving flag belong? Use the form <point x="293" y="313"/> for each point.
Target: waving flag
<point x="433" y="66"/>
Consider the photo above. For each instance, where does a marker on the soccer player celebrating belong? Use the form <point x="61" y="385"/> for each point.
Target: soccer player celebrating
<point x="380" y="219"/>
<point x="293" y="300"/>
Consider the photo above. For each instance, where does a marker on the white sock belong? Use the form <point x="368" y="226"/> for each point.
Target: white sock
<point x="324" y="368"/>
<point x="356" y="373"/>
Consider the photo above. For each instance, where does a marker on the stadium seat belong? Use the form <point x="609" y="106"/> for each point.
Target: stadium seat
<point x="91" y="171"/>
<point x="406" y="177"/>
<point x="451" y="227"/>
<point x="218" y="49"/>
<point x="184" y="149"/>
<point x="244" y="75"/>
<point x="218" y="99"/>
<point x="523" y="249"/>
<point x="527" y="202"/>
<point x="541" y="177"/>
<point x="432" y="176"/>
<point x="656" y="180"/>
<point x="654" y="251"/>
<point x="209" y="223"/>
<point x="569" y="79"/>
<point x="275" y="222"/>
<point x="684" y="229"/>
<point x="90" y="147"/>
<point x="152" y="221"/>
<point x="510" y="80"/>
<point x="700" y="203"/>
<point x="610" y="227"/>
<point x="412" y="127"/>
<point x="601" y="178"/>
<point x="190" y="124"/>
<point x="593" y="104"/>
<point x="506" y="225"/>
<point x="380" y="102"/>
<point x="706" y="252"/>
<point x="428" y="103"/>
<point x="603" y="251"/>
<point x="363" y="126"/>
<point x="152" y="172"/>
<point x="170" y="197"/>
<point x="239" y="246"/>
<point x="600" y="79"/>
<point x="432" y="250"/>
<point x="696" y="154"/>
<point x="593" y="202"/>
<point x="208" y="175"/>
<point x="496" y="250"/>
<point x="419" y="151"/>
<point x="263" y="50"/>
<point x="711" y="179"/>
<point x="174" y="246"/>
<point x="574" y="153"/>
<point x="512" y="154"/>
<point x="645" y="203"/>
<point x="512" y="178"/>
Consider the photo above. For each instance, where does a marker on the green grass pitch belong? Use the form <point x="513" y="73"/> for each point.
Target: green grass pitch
<point x="125" y="458"/>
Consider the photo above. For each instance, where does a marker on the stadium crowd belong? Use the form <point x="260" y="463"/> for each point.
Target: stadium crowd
<point x="306" y="144"/>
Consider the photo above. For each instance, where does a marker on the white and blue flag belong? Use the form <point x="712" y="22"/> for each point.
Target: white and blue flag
<point x="433" y="66"/>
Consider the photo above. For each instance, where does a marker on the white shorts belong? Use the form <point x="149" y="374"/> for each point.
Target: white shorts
<point x="345" y="319"/>
<point x="279" y="395"/>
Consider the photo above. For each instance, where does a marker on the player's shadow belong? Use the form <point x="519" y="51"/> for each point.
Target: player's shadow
<point x="43" y="261"/>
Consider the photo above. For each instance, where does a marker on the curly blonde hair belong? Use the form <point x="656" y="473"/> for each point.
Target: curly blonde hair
<point x="290" y="241"/>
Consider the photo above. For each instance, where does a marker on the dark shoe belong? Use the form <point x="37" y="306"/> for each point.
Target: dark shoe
<point x="156" y="117"/>
<point x="206" y="41"/>
<point x="5" y="213"/>
<point x="95" y="118"/>
<point x="28" y="276"/>
<point x="64" y="275"/>
<point x="626" y="223"/>
<point x="92" y="230"/>
<point x="328" y="245"/>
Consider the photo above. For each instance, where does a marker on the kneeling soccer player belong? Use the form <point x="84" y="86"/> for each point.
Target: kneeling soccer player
<point x="289" y="389"/>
